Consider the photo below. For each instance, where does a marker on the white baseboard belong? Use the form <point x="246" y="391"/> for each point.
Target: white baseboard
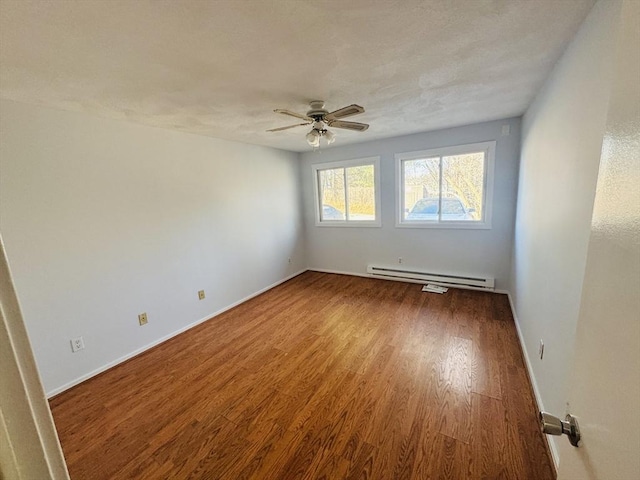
<point x="128" y="356"/>
<point x="550" y="441"/>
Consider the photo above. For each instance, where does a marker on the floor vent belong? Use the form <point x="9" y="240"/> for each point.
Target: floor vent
<point x="419" y="276"/>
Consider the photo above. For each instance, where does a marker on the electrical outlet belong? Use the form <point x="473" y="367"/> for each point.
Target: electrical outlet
<point x="201" y="294"/>
<point x="142" y="319"/>
<point x="289" y="260"/>
<point x="400" y="260"/>
<point x="541" y="349"/>
<point x="77" y="344"/>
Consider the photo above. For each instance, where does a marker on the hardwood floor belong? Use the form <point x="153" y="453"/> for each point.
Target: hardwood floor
<point x="323" y="377"/>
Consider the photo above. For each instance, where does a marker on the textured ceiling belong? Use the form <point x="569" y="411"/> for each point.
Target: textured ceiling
<point x="219" y="68"/>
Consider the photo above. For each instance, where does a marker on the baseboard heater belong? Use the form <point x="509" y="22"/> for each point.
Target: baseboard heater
<point x="419" y="276"/>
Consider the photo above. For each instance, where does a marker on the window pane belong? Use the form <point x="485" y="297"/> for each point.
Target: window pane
<point x="361" y="193"/>
<point x="462" y="187"/>
<point x="421" y="189"/>
<point x="331" y="183"/>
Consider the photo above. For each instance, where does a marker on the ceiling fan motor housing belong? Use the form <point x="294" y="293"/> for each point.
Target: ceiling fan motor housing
<point x="317" y="111"/>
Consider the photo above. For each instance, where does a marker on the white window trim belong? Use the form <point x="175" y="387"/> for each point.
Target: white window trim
<point x="316" y="167"/>
<point x="490" y="152"/>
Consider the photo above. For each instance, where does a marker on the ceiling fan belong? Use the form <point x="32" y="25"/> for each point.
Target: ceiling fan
<point x="321" y="119"/>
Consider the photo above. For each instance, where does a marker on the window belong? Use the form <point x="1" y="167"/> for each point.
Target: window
<point x="447" y="187"/>
<point x="348" y="193"/>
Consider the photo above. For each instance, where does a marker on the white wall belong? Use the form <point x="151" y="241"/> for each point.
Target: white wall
<point x="478" y="252"/>
<point x="103" y="220"/>
<point x="562" y="135"/>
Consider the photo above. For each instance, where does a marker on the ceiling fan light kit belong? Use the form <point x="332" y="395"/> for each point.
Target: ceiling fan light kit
<point x="313" y="138"/>
<point x="321" y="119"/>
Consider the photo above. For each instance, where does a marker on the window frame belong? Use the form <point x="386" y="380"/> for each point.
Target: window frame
<point x="358" y="162"/>
<point x="489" y="149"/>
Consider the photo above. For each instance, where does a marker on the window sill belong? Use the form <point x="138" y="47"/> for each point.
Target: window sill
<point x="349" y="224"/>
<point x="445" y="226"/>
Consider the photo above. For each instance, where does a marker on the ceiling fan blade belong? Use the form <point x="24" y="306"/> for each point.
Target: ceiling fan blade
<point x="290" y="126"/>
<point x="292" y="114"/>
<point x="345" y="112"/>
<point x="359" y="127"/>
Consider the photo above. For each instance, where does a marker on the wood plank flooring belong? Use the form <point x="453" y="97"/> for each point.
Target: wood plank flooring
<point x="323" y="377"/>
